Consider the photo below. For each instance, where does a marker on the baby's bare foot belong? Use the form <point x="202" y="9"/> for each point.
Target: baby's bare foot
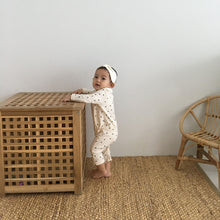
<point x="96" y="174"/>
<point x="108" y="174"/>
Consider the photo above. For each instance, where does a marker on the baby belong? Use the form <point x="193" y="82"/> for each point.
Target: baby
<point x="105" y="124"/>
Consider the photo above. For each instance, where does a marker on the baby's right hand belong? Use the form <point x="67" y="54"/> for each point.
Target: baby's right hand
<point x="78" y="91"/>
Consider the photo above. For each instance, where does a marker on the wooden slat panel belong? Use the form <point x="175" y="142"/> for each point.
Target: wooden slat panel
<point x="46" y="188"/>
<point x="78" y="165"/>
<point x="2" y="182"/>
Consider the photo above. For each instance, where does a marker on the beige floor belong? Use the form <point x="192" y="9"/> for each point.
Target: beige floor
<point x="140" y="188"/>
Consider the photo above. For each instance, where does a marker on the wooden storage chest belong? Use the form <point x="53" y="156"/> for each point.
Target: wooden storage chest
<point x="42" y="143"/>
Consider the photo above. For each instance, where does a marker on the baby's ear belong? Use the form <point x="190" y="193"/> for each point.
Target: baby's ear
<point x="112" y="85"/>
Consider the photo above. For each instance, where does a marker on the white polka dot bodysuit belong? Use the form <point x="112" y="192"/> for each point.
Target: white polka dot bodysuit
<point x="105" y="124"/>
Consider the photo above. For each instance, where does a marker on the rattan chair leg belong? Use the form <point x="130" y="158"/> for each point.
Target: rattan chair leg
<point x="199" y="151"/>
<point x="181" y="152"/>
<point x="218" y="167"/>
<point x="218" y="178"/>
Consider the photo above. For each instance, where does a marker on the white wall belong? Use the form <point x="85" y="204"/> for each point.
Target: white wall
<point x="167" y="54"/>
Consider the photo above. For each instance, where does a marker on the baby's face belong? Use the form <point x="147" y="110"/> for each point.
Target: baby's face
<point x="102" y="80"/>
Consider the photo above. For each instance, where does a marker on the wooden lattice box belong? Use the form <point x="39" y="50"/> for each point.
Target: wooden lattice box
<point x="42" y="143"/>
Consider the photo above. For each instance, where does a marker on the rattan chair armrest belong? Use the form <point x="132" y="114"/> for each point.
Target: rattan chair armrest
<point x="182" y="121"/>
<point x="190" y="111"/>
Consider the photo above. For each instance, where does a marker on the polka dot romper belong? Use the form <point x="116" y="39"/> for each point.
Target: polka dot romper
<point x="105" y="124"/>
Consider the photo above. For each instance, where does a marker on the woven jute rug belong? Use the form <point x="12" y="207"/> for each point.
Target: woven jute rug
<point x="140" y="188"/>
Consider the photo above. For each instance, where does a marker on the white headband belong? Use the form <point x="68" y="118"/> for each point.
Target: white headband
<point x="112" y="73"/>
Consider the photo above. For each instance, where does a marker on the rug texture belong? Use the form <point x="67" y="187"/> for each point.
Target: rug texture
<point x="140" y="188"/>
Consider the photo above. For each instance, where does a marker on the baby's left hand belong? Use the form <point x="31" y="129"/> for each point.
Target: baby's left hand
<point x="67" y="99"/>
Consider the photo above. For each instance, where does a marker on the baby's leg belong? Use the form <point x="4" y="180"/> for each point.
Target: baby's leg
<point x="108" y="159"/>
<point x="97" y="148"/>
<point x="101" y="155"/>
<point x="108" y="168"/>
<point x="96" y="151"/>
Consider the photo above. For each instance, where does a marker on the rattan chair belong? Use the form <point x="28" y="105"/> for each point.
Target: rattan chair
<point x="206" y="137"/>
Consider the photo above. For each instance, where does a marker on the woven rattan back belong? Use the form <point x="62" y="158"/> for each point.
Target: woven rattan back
<point x="212" y="117"/>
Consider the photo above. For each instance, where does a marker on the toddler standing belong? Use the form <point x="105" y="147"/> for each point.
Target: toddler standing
<point x="105" y="124"/>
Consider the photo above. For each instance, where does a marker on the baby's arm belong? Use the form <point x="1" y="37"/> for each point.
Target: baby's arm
<point x="87" y="91"/>
<point x="95" y="97"/>
<point x="78" y="91"/>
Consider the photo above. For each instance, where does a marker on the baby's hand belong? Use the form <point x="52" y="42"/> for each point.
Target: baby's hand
<point x="67" y="99"/>
<point x="78" y="91"/>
